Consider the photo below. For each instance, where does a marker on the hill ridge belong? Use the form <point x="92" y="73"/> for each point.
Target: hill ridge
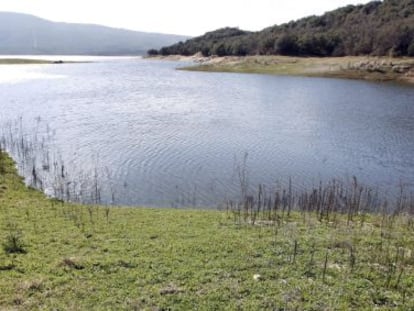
<point x="23" y="33"/>
<point x="380" y="28"/>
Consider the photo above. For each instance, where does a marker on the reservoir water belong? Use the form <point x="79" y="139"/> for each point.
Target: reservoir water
<point x="164" y="137"/>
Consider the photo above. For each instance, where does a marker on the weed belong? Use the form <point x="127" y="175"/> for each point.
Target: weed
<point x="72" y="263"/>
<point x="32" y="285"/>
<point x="2" y="162"/>
<point x="13" y="241"/>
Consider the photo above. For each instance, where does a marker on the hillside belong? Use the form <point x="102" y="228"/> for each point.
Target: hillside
<point x="379" y="28"/>
<point x="25" y="34"/>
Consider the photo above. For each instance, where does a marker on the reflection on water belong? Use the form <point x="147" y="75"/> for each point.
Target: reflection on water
<point x="15" y="74"/>
<point x="170" y="137"/>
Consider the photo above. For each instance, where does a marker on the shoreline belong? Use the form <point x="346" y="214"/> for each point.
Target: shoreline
<point x="380" y="69"/>
<point x="25" y="61"/>
<point x="142" y="258"/>
<point x="29" y="61"/>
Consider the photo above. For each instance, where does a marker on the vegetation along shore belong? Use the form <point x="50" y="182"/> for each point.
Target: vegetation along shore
<point x="373" y="41"/>
<point x="323" y="250"/>
<point x="350" y="67"/>
<point x="24" y="61"/>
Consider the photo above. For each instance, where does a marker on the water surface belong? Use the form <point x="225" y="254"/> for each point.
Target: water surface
<point x="167" y="137"/>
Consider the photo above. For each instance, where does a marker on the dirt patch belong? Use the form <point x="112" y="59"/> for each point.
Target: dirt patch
<point x="364" y="67"/>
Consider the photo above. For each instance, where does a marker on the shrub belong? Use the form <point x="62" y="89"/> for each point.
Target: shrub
<point x="2" y="162"/>
<point x="152" y="52"/>
<point x="410" y="50"/>
<point x="13" y="243"/>
<point x="287" y="45"/>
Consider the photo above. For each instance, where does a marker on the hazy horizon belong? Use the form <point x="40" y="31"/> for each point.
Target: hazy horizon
<point x="175" y="17"/>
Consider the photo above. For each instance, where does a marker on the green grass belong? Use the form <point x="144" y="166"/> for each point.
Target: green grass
<point x="97" y="258"/>
<point x="21" y="61"/>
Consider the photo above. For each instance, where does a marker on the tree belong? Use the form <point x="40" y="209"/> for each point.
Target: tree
<point x="287" y="45"/>
<point x="205" y="51"/>
<point x="376" y="28"/>
<point x="220" y="50"/>
<point x="410" y="51"/>
<point x="239" y="49"/>
<point x="152" y="52"/>
<point x="165" y="51"/>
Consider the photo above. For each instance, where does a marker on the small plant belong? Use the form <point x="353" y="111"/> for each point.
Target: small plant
<point x="2" y="162"/>
<point x="13" y="243"/>
<point x="72" y="263"/>
<point x="107" y="210"/>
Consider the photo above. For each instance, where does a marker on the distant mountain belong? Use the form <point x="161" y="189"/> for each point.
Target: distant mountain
<point x="376" y="28"/>
<point x="27" y="34"/>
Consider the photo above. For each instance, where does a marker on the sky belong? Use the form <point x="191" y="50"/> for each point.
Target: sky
<point x="182" y="17"/>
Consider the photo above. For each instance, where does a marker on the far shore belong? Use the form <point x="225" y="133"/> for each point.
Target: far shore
<point x="29" y="61"/>
<point x="349" y="67"/>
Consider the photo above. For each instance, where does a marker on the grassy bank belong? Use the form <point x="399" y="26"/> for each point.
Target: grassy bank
<point x="56" y="255"/>
<point x="367" y="68"/>
<point x="24" y="61"/>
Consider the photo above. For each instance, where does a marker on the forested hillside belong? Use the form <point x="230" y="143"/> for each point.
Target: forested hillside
<point x="376" y="28"/>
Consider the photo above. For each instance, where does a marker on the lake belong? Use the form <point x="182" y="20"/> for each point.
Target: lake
<point x="162" y="137"/>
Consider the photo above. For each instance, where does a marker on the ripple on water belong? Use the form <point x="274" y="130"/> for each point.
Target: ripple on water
<point x="172" y="137"/>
